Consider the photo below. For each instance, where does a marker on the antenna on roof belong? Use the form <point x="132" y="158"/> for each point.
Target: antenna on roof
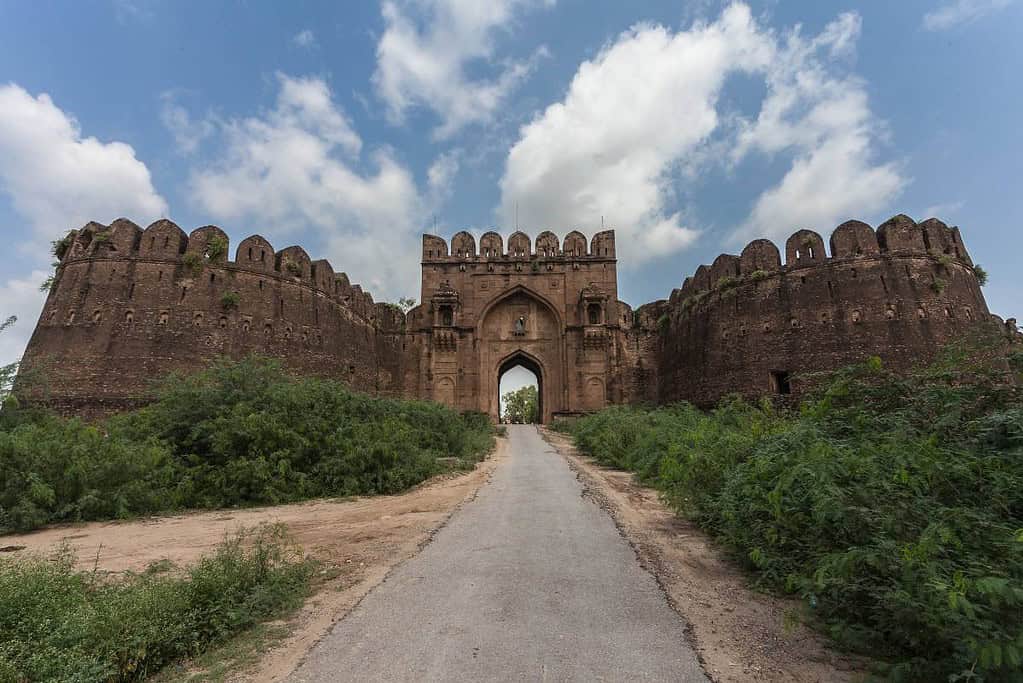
<point x="516" y="215"/>
<point x="602" y="222"/>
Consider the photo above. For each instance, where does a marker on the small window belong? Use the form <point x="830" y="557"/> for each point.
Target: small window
<point x="782" y="382"/>
<point x="593" y="311"/>
<point x="446" y="316"/>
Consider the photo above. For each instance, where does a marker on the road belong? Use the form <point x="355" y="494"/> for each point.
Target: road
<point x="530" y="582"/>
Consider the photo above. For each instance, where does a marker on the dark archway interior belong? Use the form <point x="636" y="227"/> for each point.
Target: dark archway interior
<point x="524" y="362"/>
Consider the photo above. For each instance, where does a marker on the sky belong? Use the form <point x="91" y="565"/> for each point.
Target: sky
<point x="351" y="128"/>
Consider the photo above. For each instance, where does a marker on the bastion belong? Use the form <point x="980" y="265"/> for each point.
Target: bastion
<point x="128" y="306"/>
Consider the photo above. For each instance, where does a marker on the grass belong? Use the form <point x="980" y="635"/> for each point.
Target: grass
<point x="60" y="623"/>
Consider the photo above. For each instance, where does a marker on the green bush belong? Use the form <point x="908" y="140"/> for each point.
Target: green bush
<point x="892" y="505"/>
<point x="239" y="433"/>
<point x="229" y="301"/>
<point x="68" y="625"/>
<point x="980" y="274"/>
<point x="193" y="263"/>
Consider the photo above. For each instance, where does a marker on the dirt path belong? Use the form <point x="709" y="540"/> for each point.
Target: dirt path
<point x="359" y="541"/>
<point x="739" y="634"/>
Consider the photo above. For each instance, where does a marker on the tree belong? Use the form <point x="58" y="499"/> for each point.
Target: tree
<point x="406" y="304"/>
<point x="522" y="406"/>
<point x="7" y="372"/>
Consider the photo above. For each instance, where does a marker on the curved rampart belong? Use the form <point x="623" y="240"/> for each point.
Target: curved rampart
<point x="749" y="324"/>
<point x="130" y="305"/>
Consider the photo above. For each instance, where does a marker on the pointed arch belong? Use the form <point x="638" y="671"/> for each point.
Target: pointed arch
<point x="521" y="357"/>
<point x="507" y="294"/>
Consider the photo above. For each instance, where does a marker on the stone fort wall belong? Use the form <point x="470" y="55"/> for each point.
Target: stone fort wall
<point x="749" y="324"/>
<point x="130" y="305"/>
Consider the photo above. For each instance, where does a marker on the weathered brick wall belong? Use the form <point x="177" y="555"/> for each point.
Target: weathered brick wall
<point x="129" y="306"/>
<point x="747" y="322"/>
<point x="472" y="297"/>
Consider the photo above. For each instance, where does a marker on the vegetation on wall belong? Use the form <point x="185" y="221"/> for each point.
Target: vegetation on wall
<point x="521" y="406"/>
<point x="892" y="505"/>
<point x="229" y="301"/>
<point x="239" y="433"/>
<point x="63" y="624"/>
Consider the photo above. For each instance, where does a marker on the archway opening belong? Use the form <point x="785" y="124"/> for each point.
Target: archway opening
<point x="520" y="391"/>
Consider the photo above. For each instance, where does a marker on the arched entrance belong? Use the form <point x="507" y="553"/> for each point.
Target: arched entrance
<point x="520" y="360"/>
<point x="521" y="328"/>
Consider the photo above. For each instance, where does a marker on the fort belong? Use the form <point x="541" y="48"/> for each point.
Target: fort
<point x="129" y="305"/>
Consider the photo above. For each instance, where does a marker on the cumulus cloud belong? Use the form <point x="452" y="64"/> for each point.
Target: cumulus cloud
<point x="57" y="179"/>
<point x="646" y="111"/>
<point x="825" y="121"/>
<point x="20" y="297"/>
<point x="959" y="12"/>
<point x="305" y="39"/>
<point x="427" y="49"/>
<point x="299" y="165"/>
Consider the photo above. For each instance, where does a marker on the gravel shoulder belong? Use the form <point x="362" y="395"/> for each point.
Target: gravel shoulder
<point x="739" y="634"/>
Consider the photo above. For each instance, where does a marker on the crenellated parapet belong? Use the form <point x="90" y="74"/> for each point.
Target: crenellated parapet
<point x="752" y="323"/>
<point x="899" y="237"/>
<point x="129" y="305"/>
<point x="208" y="247"/>
<point x="519" y="247"/>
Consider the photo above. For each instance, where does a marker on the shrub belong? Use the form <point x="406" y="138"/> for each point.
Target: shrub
<point x="193" y="263"/>
<point x="67" y="625"/>
<point x="239" y="433"/>
<point x="727" y="282"/>
<point x="216" y="248"/>
<point x="938" y="286"/>
<point x="891" y="505"/>
<point x="229" y="301"/>
<point x="758" y="275"/>
<point x="980" y="274"/>
<point x="59" y="247"/>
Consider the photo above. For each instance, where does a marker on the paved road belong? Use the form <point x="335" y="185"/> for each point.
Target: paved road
<point x="529" y="582"/>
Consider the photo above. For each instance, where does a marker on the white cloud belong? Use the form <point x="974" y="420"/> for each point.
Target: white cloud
<point x="298" y="166"/>
<point x="188" y="132"/>
<point x="960" y="12"/>
<point x="441" y="174"/>
<point x="943" y="210"/>
<point x="642" y="105"/>
<point x="58" y="179"/>
<point x="826" y="122"/>
<point x="427" y="48"/>
<point x="646" y="111"/>
<point x="21" y="298"/>
<point x="305" y="39"/>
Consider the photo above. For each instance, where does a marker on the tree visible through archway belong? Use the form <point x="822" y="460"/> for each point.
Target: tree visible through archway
<point x="519" y="389"/>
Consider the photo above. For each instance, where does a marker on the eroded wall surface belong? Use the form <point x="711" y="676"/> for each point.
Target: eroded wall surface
<point x="130" y="305"/>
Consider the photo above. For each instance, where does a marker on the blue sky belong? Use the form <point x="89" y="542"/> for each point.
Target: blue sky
<point x="691" y="127"/>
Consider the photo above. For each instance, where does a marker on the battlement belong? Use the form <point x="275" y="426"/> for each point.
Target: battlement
<point x="899" y="236"/>
<point x="751" y="324"/>
<point x="209" y="246"/>
<point x="520" y="247"/>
